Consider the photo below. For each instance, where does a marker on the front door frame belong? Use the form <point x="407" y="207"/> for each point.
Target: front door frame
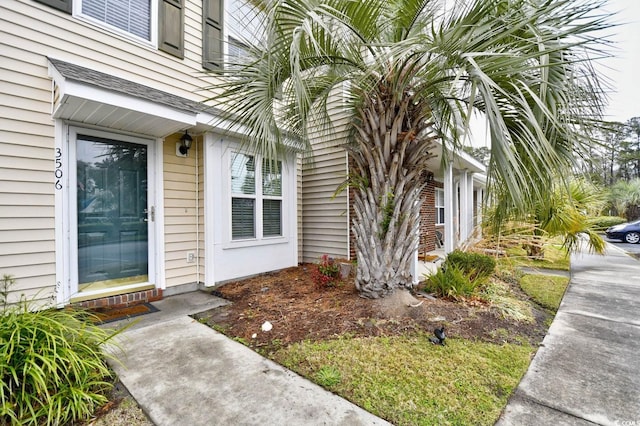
<point x="66" y="208"/>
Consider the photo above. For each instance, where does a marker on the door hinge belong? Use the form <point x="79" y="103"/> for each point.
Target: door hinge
<point x="150" y="214"/>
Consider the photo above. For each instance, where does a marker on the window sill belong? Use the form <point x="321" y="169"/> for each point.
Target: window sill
<point x="111" y="30"/>
<point x="254" y="242"/>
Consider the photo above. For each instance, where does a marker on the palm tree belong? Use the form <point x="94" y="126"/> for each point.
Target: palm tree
<point x="624" y="196"/>
<point x="414" y="72"/>
<point x="569" y="212"/>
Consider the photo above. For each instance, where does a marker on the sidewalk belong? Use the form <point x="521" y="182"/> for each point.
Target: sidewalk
<point x="184" y="373"/>
<point x="587" y="370"/>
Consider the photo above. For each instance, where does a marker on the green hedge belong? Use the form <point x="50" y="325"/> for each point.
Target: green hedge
<point x="603" y="222"/>
<point x="477" y="266"/>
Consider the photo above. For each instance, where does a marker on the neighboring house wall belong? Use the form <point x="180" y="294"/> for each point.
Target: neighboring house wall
<point x="428" y="218"/>
<point x="325" y="215"/>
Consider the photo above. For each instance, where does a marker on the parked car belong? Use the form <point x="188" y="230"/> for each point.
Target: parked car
<point x="627" y="232"/>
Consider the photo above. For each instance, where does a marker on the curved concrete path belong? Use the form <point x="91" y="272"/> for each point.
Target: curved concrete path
<point x="182" y="372"/>
<point x="587" y="371"/>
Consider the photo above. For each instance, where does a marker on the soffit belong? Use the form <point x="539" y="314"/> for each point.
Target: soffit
<point x="83" y="95"/>
<point x="460" y="161"/>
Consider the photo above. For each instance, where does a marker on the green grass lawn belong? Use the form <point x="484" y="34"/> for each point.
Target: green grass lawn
<point x="409" y="381"/>
<point x="555" y="257"/>
<point x="546" y="290"/>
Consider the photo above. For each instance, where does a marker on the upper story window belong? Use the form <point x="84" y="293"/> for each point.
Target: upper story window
<point x="130" y="16"/>
<point x="156" y="23"/>
<point x="228" y="25"/>
<point x="439" y="196"/>
<point x="243" y="21"/>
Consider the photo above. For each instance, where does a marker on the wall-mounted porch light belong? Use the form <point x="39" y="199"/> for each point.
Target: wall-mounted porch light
<point x="185" y="143"/>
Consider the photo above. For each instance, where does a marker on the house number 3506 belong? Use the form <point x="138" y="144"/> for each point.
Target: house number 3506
<point x="58" y="172"/>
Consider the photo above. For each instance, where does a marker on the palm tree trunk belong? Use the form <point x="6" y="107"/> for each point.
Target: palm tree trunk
<point x="390" y="156"/>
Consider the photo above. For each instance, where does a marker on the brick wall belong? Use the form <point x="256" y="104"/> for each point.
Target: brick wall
<point x="427" y="220"/>
<point x="123" y="300"/>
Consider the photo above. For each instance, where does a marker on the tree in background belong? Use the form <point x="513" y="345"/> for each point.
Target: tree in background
<point x="602" y="161"/>
<point x="482" y="154"/>
<point x="630" y="150"/>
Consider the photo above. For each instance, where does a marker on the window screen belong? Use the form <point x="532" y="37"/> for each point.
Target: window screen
<point x="132" y="16"/>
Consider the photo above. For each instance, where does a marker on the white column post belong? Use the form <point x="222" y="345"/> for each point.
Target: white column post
<point x="464" y="205"/>
<point x="448" y="209"/>
<point x="479" y="208"/>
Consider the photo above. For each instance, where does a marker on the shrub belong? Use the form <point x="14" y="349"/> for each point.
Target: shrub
<point x="477" y="266"/>
<point x="326" y="271"/>
<point x="451" y="281"/>
<point x="601" y="223"/>
<point x="51" y="366"/>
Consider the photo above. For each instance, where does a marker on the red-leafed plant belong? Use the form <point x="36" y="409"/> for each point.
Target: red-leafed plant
<point x="326" y="272"/>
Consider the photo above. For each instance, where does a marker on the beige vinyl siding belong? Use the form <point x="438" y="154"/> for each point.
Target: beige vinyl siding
<point x="27" y="247"/>
<point x="324" y="220"/>
<point x="31" y="31"/>
<point x="180" y="214"/>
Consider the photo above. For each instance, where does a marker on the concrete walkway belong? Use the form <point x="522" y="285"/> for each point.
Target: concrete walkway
<point x="182" y="372"/>
<point x="587" y="371"/>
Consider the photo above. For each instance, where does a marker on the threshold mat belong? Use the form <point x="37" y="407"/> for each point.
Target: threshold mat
<point x="106" y="315"/>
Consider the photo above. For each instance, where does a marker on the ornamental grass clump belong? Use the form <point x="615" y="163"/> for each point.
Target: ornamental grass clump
<point x="461" y="275"/>
<point x="51" y="364"/>
<point x="451" y="281"/>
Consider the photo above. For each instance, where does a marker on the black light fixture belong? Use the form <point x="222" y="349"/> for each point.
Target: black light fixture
<point x="185" y="142"/>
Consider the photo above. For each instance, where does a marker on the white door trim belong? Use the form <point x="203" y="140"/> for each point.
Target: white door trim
<point x="210" y="180"/>
<point x="66" y="208"/>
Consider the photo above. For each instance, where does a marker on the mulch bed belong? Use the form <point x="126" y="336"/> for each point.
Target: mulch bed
<point x="300" y="310"/>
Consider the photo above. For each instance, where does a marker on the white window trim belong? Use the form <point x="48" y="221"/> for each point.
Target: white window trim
<point x="259" y="239"/>
<point x="437" y="206"/>
<point x="153" y="28"/>
<point x="227" y="241"/>
<point x="66" y="211"/>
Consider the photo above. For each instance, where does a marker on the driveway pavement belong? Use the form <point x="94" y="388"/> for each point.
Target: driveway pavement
<point x="633" y="249"/>
<point x="587" y="370"/>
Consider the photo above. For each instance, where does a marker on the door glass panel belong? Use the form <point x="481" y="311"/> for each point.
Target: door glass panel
<point x="112" y="203"/>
